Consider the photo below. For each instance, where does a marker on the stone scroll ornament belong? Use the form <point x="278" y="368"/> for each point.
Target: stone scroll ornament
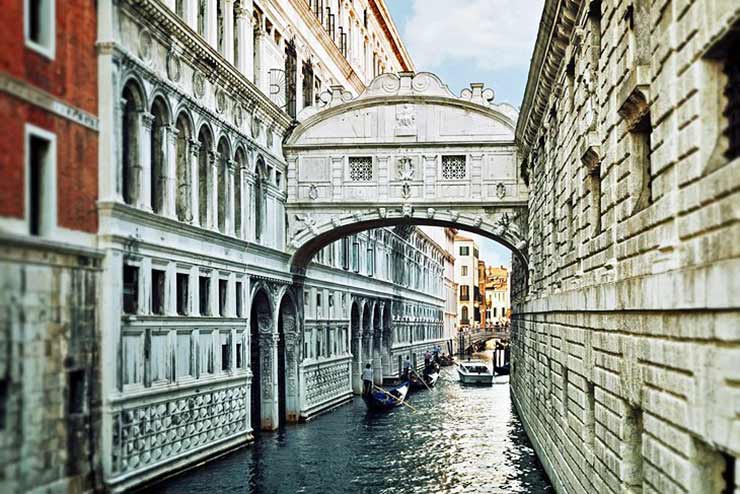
<point x="406" y="174"/>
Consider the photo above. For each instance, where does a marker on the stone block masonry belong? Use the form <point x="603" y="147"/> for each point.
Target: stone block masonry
<point x="627" y="336"/>
<point x="49" y="385"/>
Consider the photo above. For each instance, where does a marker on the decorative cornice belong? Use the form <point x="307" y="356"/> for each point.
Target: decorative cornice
<point x="556" y="28"/>
<point x="38" y="97"/>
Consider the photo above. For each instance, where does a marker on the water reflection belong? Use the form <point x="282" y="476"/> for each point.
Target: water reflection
<point x="462" y="440"/>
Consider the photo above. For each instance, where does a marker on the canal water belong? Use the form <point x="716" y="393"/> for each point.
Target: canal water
<point x="461" y="440"/>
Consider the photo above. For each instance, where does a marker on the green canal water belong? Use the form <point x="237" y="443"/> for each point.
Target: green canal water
<point x="461" y="440"/>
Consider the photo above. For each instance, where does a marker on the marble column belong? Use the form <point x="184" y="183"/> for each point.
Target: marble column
<point x="190" y="13"/>
<point x="244" y="40"/>
<point x="229" y="199"/>
<point x="145" y="161"/>
<point x="169" y="170"/>
<point x="193" y="207"/>
<point x="300" y="57"/>
<point x="227" y="11"/>
<point x="357" y="364"/>
<point x="212" y="23"/>
<point x="212" y="190"/>
<point x="269" y="377"/>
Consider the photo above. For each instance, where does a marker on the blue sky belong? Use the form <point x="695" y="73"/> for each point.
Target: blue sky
<point x="464" y="41"/>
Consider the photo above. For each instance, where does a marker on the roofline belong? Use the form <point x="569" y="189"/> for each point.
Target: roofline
<point x="389" y="28"/>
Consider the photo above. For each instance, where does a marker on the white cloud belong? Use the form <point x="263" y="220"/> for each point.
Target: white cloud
<point x="492" y="34"/>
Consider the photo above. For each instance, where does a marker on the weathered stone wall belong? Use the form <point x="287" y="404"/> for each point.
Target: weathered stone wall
<point x="627" y="342"/>
<point x="49" y="392"/>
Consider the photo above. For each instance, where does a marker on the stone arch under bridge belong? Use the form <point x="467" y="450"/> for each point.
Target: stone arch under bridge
<point x="405" y="151"/>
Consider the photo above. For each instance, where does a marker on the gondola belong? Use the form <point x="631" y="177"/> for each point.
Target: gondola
<point x="502" y="370"/>
<point x="430" y="380"/>
<point x="380" y="401"/>
<point x="446" y="360"/>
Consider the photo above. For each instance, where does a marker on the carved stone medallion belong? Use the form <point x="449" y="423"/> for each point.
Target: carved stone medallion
<point x="174" y="66"/>
<point x="220" y="100"/>
<point x="145" y="44"/>
<point x="238" y="115"/>
<point x="500" y="191"/>
<point x="199" y="84"/>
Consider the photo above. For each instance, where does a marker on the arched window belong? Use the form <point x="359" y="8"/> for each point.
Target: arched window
<point x="183" y="196"/>
<point x="132" y="106"/>
<point x="259" y="198"/>
<point x="205" y="142"/>
<point x="238" y="192"/>
<point x="158" y="154"/>
<point x="465" y="317"/>
<point x="223" y="179"/>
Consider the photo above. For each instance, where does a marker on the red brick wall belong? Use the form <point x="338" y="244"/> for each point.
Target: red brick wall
<point x="72" y="75"/>
<point x="77" y="157"/>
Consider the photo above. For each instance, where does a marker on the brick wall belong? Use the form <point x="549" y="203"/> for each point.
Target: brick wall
<point x="48" y="370"/>
<point x="77" y="171"/>
<point x="627" y="344"/>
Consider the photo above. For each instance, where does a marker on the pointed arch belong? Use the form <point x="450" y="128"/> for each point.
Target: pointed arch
<point x="205" y="147"/>
<point x="223" y="199"/>
<point x="161" y="119"/>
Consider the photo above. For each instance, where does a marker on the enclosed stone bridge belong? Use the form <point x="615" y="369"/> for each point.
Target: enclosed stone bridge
<point x="405" y="151"/>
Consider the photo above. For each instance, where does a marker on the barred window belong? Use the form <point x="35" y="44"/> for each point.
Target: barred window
<point x="453" y="167"/>
<point x="732" y="108"/>
<point x="361" y="169"/>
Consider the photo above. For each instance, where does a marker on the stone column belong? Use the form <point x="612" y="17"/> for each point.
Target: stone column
<point x="244" y="35"/>
<point x="170" y="172"/>
<point x="117" y="189"/>
<point x="212" y="214"/>
<point x="212" y="23"/>
<point x="268" y="386"/>
<point x="227" y="10"/>
<point x="193" y="207"/>
<point x="300" y="56"/>
<point x="190" y="11"/>
<point x="357" y="364"/>
<point x="229" y="199"/>
<point x="292" y="400"/>
<point x="260" y="74"/>
<point x="145" y="160"/>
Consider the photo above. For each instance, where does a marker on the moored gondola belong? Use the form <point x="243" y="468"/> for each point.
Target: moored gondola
<point x="381" y="400"/>
<point x="502" y="370"/>
<point x="446" y="360"/>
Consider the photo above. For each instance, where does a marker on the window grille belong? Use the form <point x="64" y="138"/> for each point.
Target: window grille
<point x="732" y="109"/>
<point x="361" y="169"/>
<point x="453" y="167"/>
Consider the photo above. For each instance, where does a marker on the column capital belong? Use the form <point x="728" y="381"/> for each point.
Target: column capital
<point x="231" y="164"/>
<point x="147" y="119"/>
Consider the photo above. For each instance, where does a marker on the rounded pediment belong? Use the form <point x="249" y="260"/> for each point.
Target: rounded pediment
<point x="405" y="108"/>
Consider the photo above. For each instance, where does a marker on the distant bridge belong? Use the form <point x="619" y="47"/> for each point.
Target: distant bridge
<point x="474" y="339"/>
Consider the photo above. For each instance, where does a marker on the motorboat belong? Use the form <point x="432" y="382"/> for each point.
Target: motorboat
<point x="382" y="400"/>
<point x="475" y="372"/>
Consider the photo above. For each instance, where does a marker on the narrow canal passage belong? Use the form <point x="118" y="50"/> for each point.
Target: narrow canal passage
<point x="461" y="440"/>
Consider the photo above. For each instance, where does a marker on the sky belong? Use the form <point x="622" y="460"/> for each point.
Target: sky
<point x="464" y="41"/>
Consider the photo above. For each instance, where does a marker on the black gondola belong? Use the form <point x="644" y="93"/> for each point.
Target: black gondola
<point x="502" y="370"/>
<point x="381" y="401"/>
<point x="430" y="380"/>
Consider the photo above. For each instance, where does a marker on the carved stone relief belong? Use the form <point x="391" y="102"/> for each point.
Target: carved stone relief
<point x="199" y="84"/>
<point x="174" y="66"/>
<point x="145" y="45"/>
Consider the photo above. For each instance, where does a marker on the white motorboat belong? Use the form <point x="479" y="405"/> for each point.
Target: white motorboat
<point x="475" y="372"/>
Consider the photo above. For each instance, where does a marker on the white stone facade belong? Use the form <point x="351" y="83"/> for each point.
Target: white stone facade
<point x="466" y="278"/>
<point x="626" y="350"/>
<point x="205" y="335"/>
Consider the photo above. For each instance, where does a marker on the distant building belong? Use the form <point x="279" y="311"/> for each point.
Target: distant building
<point x="496" y="299"/>
<point x="466" y="277"/>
